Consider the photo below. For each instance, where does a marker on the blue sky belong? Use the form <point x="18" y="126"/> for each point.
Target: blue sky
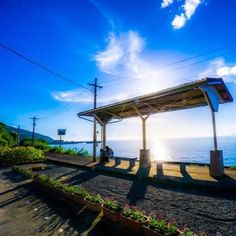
<point x="129" y="46"/>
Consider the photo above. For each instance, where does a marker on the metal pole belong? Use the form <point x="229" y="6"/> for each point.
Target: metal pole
<point x="214" y="129"/>
<point x="144" y="133"/>
<point x="60" y="142"/>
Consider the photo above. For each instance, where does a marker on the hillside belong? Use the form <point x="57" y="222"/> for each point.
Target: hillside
<point x="25" y="134"/>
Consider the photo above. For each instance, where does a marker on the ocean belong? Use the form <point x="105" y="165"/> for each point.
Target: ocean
<point x="195" y="150"/>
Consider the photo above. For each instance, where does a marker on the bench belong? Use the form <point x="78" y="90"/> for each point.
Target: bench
<point x="130" y="159"/>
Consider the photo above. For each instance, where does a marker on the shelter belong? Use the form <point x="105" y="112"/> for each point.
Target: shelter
<point x="206" y="92"/>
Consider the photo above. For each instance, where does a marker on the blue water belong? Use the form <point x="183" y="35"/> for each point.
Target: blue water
<point x="181" y="149"/>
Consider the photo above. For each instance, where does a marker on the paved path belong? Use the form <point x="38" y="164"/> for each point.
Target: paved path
<point x="182" y="174"/>
<point x="201" y="210"/>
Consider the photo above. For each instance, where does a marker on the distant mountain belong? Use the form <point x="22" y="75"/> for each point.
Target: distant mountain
<point x="25" y="134"/>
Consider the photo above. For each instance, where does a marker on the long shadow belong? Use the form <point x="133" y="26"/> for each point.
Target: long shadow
<point x="138" y="189"/>
<point x="10" y="190"/>
<point x="78" y="218"/>
<point x="114" y="167"/>
<point x="82" y="177"/>
<point x="202" y="189"/>
<point x="106" y="227"/>
<point x="66" y="174"/>
<point x="184" y="172"/>
<point x="159" y="170"/>
<point x="15" y="178"/>
<point x="182" y="167"/>
<point x="227" y="178"/>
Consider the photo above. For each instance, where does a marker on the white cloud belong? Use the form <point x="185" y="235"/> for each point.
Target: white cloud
<point x="179" y="21"/>
<point x="189" y="9"/>
<point x="218" y="68"/>
<point x="166" y="3"/>
<point x="123" y="57"/>
<point x="122" y="53"/>
<point x="72" y="96"/>
<point x="77" y="96"/>
<point x="227" y="71"/>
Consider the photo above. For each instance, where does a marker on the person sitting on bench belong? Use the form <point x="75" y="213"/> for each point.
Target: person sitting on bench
<point x="109" y="153"/>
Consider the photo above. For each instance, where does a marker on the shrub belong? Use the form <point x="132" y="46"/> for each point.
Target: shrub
<point x="172" y="229"/>
<point x="187" y="232"/>
<point x="56" y="149"/>
<point x="38" y="143"/>
<point x="76" y="190"/>
<point x="20" y="155"/>
<point x="134" y="214"/>
<point x="42" y="178"/>
<point x="112" y="205"/>
<point x="71" y="151"/>
<point x="157" y="225"/>
<point x="94" y="198"/>
<point x="28" y="173"/>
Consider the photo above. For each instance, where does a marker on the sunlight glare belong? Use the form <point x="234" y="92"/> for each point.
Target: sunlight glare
<point x="159" y="151"/>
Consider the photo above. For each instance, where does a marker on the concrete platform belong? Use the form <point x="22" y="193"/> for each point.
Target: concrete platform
<point x="175" y="173"/>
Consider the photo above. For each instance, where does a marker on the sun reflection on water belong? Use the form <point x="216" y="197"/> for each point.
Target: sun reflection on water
<point x="159" y="150"/>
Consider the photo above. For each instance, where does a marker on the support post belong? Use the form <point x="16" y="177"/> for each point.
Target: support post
<point x="216" y="168"/>
<point x="104" y="135"/>
<point x="144" y="133"/>
<point x="216" y="156"/>
<point x="144" y="157"/>
<point x="214" y="129"/>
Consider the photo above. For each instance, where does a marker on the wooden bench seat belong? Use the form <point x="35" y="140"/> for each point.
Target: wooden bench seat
<point x="130" y="159"/>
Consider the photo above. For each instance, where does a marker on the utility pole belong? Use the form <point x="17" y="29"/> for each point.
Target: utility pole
<point x="34" y="124"/>
<point x="18" y="136"/>
<point x="95" y="86"/>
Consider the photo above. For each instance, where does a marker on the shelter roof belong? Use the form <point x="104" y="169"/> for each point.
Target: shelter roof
<point x="185" y="96"/>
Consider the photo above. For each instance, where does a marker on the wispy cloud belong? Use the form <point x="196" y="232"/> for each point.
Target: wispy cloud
<point x="187" y="11"/>
<point x="78" y="96"/>
<point x="219" y="68"/>
<point x="166" y="3"/>
<point x="103" y="12"/>
<point x="122" y="53"/>
<point x="123" y="57"/>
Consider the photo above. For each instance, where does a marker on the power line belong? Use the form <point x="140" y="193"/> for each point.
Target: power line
<point x="40" y="66"/>
<point x="199" y="55"/>
<point x="184" y="60"/>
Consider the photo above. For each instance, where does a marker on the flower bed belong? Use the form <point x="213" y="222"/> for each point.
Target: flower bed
<point x="129" y="217"/>
<point x="112" y="209"/>
<point x="93" y="202"/>
<point x="159" y="226"/>
<point x="133" y="218"/>
<point x="20" y="155"/>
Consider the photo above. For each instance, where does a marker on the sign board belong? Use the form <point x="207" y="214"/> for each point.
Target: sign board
<point x="61" y="132"/>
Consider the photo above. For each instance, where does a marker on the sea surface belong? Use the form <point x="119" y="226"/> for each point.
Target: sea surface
<point x="195" y="150"/>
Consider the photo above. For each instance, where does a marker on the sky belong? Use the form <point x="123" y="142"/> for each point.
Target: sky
<point x="132" y="47"/>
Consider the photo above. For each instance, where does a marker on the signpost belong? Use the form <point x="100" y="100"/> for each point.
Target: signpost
<point x="61" y="132"/>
